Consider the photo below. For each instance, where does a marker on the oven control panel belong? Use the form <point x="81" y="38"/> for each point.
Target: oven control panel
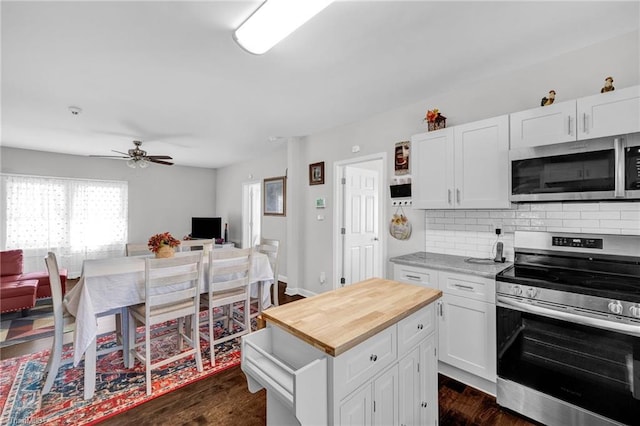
<point x="590" y="243"/>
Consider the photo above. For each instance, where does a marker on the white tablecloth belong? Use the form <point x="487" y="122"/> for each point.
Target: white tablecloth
<point x="107" y="284"/>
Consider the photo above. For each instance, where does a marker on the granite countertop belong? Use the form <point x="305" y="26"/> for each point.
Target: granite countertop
<point x="448" y="262"/>
<point x="338" y="320"/>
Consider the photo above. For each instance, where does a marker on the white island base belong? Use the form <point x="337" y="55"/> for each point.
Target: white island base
<point x="389" y="377"/>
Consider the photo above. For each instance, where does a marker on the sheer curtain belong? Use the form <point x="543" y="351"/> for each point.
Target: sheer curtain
<point x="75" y="218"/>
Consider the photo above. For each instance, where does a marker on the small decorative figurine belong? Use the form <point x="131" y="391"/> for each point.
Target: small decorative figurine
<point x="548" y="101"/>
<point x="608" y="85"/>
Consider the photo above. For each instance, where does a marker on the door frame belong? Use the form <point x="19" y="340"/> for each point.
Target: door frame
<point x="338" y="212"/>
<point x="244" y="186"/>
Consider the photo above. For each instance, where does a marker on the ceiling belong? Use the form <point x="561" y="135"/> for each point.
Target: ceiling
<point x="169" y="73"/>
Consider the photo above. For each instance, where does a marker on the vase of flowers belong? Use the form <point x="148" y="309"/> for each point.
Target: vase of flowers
<point x="435" y="120"/>
<point x="163" y="244"/>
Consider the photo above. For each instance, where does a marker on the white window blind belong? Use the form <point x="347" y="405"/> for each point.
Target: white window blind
<point x="75" y="218"/>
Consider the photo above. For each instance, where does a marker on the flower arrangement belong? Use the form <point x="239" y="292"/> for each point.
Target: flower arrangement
<point x="435" y="120"/>
<point x="431" y="115"/>
<point x="159" y="240"/>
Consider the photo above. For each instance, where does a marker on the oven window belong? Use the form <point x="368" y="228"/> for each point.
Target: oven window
<point x="594" y="369"/>
<point x="580" y="172"/>
<point x="632" y="168"/>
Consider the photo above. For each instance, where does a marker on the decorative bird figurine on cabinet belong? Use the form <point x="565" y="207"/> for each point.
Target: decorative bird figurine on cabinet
<point x="548" y="100"/>
<point x="608" y="85"/>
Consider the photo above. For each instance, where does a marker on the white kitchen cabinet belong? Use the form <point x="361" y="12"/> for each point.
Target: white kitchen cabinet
<point x="466" y="330"/>
<point x="464" y="166"/>
<point x="609" y="114"/>
<point x="601" y="115"/>
<point x="376" y="403"/>
<point x="418" y="370"/>
<point x="414" y="275"/>
<point x="466" y="325"/>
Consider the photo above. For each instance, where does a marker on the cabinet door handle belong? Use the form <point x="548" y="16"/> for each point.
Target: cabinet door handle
<point x="585" y="122"/>
<point x="440" y="310"/>
<point x="373" y="358"/>
<point x="458" y="195"/>
<point x="420" y="326"/>
<point x="569" y="125"/>
<point x="449" y="196"/>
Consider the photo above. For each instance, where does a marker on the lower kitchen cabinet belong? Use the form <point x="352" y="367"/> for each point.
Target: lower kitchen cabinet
<point x="466" y="317"/>
<point x="467" y="335"/>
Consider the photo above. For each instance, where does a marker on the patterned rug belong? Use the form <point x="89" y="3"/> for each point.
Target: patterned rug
<point x="117" y="388"/>
<point x="14" y="328"/>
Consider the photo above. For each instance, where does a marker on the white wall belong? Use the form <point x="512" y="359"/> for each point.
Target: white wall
<point x="161" y="198"/>
<point x="575" y="74"/>
<point x="229" y="200"/>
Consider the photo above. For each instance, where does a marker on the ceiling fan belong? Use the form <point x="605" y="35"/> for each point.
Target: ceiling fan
<point x="138" y="157"/>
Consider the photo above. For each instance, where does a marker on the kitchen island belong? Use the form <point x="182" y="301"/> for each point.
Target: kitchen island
<point x="361" y="354"/>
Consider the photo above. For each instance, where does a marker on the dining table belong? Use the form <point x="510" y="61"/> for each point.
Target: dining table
<point x="112" y="284"/>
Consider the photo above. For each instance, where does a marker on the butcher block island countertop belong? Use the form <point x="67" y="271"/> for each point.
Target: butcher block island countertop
<point x="338" y="320"/>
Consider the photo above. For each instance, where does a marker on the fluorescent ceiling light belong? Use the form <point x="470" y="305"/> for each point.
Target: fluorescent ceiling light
<point x="273" y="21"/>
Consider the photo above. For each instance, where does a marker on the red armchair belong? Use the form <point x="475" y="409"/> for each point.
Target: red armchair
<point x="19" y="291"/>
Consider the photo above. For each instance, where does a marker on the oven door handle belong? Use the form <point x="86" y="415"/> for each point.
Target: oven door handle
<point x="507" y="302"/>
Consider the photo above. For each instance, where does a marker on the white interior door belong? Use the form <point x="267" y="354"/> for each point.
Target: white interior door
<point x="361" y="224"/>
<point x="251" y="213"/>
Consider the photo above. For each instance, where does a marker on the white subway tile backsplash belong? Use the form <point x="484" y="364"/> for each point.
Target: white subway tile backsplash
<point x="471" y="232"/>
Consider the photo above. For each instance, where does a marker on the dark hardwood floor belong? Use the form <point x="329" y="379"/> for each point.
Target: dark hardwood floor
<point x="224" y="399"/>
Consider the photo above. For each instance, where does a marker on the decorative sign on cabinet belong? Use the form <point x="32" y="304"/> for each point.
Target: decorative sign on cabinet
<point x="463" y="167"/>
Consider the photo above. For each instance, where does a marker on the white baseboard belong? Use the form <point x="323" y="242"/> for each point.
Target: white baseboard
<point x="294" y="291"/>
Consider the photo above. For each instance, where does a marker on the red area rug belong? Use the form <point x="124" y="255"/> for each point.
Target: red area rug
<point x="117" y="388"/>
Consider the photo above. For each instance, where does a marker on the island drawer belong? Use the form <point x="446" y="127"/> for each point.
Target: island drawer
<point x="416" y="327"/>
<point x="289" y="369"/>
<point x="359" y="364"/>
<point x="415" y="275"/>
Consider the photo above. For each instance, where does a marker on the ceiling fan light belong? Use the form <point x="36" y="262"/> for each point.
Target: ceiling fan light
<point x="273" y="21"/>
<point x="131" y="163"/>
<point x="143" y="164"/>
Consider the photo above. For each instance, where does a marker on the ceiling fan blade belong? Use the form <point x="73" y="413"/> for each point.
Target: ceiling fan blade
<point x="160" y="162"/>
<point x="159" y="157"/>
<point x="120" y="152"/>
<point x="109" y="156"/>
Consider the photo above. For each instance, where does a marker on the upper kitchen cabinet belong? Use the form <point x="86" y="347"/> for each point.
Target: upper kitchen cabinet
<point x="463" y="167"/>
<point x="606" y="114"/>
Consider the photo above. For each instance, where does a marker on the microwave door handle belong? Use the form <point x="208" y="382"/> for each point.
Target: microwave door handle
<point x="618" y="146"/>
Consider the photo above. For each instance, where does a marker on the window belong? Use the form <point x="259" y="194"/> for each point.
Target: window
<point x="76" y="218"/>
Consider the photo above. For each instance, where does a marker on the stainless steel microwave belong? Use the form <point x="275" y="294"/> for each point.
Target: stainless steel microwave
<point x="597" y="169"/>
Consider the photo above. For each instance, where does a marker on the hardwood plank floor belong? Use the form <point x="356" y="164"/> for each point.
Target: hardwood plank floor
<point x="224" y="399"/>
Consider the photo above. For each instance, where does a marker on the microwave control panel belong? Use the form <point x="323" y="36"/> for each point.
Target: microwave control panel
<point x="590" y="243"/>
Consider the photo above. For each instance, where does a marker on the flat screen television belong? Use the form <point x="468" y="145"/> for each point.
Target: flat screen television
<point x="206" y="227"/>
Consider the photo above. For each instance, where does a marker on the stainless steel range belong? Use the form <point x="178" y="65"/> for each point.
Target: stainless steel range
<point x="568" y="329"/>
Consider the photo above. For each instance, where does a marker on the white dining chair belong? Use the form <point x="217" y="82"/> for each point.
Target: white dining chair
<point x="270" y="248"/>
<point x="189" y="245"/>
<point x="172" y="292"/>
<point x="136" y="249"/>
<point x="61" y="320"/>
<point x="228" y="283"/>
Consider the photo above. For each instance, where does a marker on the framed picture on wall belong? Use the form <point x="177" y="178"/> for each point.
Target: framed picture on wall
<point x="402" y="158"/>
<point x="316" y="173"/>
<point x="275" y="196"/>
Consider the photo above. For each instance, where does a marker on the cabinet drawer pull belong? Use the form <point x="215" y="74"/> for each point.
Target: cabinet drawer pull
<point x="458" y="195"/>
<point x="464" y="287"/>
<point x="373" y="358"/>
<point x="413" y="277"/>
<point x="449" y="196"/>
<point x="420" y="326"/>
